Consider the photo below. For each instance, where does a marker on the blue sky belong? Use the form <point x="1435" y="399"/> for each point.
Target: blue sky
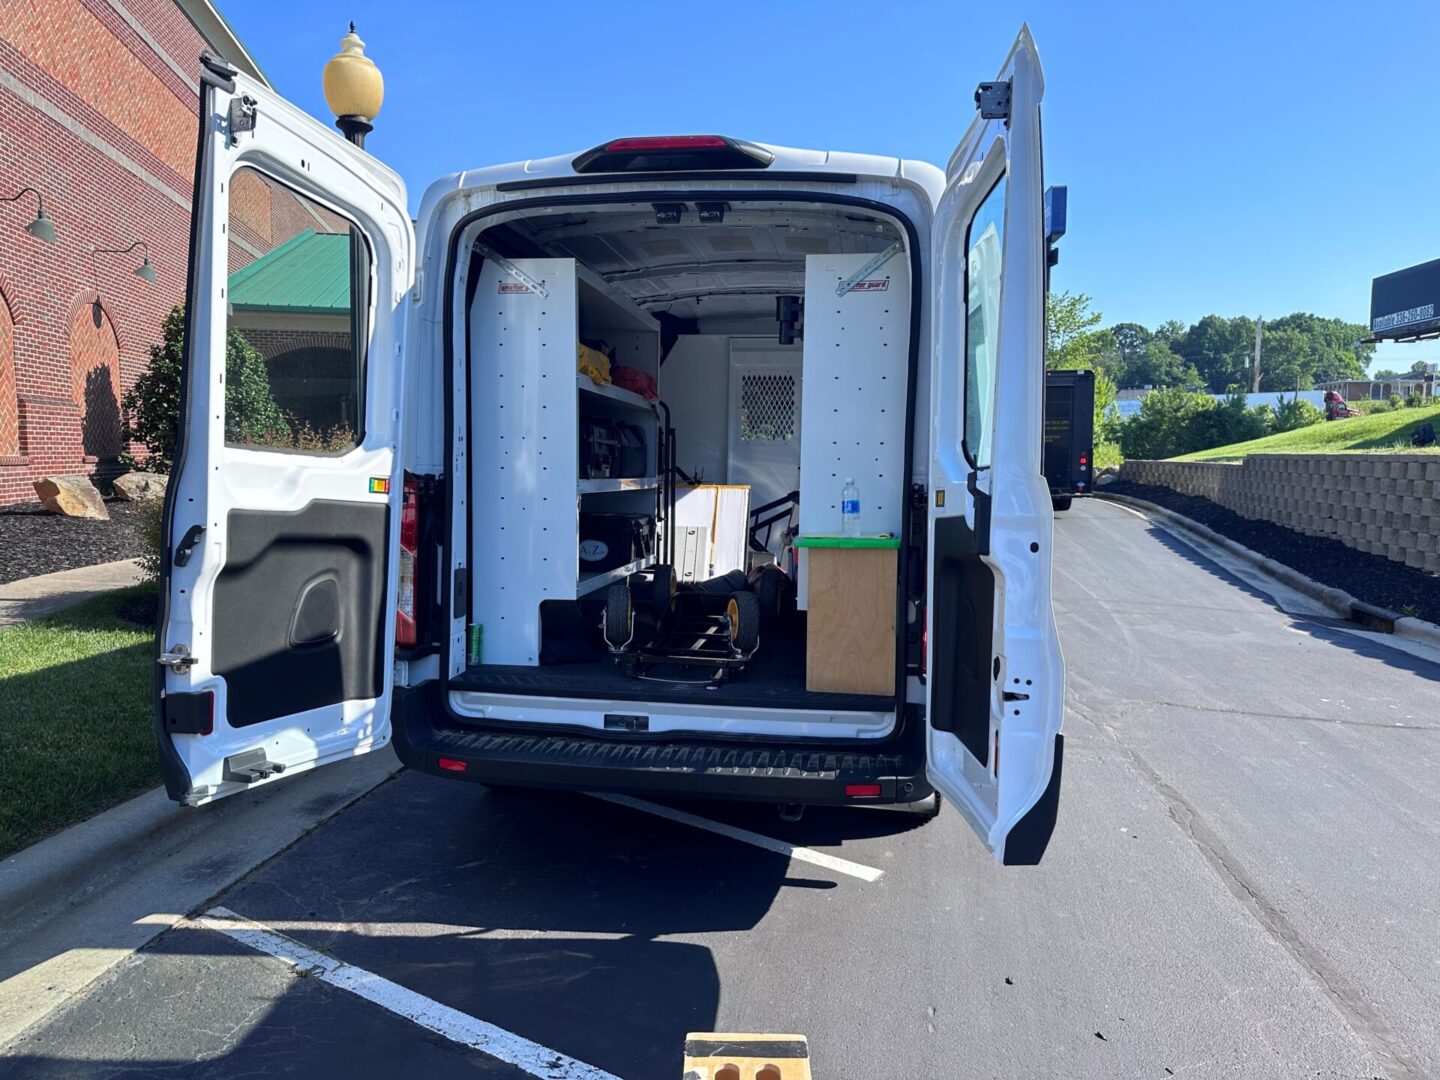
<point x="1239" y="158"/>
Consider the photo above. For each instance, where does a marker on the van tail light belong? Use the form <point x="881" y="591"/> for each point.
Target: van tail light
<point x="405" y="635"/>
<point x="450" y="764"/>
<point x="862" y="791"/>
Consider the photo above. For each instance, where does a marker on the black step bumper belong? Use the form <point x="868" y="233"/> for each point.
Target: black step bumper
<point x="780" y="771"/>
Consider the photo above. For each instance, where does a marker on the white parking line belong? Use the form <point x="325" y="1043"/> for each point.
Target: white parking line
<point x="803" y="854"/>
<point x="456" y="1026"/>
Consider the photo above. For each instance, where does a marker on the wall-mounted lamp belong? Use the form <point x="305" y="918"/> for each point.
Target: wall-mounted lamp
<point x="145" y="270"/>
<point x="42" y="228"/>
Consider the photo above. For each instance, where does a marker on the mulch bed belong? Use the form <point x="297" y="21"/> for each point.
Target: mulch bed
<point x="1372" y="578"/>
<point x="35" y="541"/>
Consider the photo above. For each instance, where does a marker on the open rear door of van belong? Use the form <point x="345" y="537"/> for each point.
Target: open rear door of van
<point x="994" y="674"/>
<point x="278" y="580"/>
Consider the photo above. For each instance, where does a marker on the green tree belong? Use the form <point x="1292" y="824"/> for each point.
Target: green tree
<point x="152" y="405"/>
<point x="1332" y="350"/>
<point x="1071" y="338"/>
<point x="1387" y="373"/>
<point x="1159" y="365"/>
<point x="1221" y="350"/>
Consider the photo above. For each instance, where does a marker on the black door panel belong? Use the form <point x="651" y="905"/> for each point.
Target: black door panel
<point x="961" y="650"/>
<point x="299" y="608"/>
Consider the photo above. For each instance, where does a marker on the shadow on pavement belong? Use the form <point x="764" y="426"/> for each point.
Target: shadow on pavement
<point x="1332" y="630"/>
<point x="558" y="917"/>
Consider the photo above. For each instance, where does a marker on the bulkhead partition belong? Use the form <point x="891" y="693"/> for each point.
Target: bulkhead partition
<point x="853" y="393"/>
<point x="526" y="400"/>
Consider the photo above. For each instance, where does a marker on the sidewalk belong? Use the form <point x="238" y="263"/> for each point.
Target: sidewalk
<point x="29" y="597"/>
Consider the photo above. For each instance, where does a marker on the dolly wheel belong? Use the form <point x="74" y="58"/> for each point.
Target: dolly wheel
<point x="743" y="610"/>
<point x="619" y="617"/>
<point x="661" y="589"/>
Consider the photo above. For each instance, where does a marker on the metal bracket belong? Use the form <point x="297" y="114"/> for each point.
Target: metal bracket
<point x="243" y="115"/>
<point x="869" y="268"/>
<point x="250" y="766"/>
<point x="177" y="658"/>
<point x="993" y="98"/>
<point x="537" y="287"/>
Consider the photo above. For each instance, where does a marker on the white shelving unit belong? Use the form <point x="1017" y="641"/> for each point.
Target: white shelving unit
<point x="527" y="401"/>
<point x="613" y="393"/>
<point x="618" y="483"/>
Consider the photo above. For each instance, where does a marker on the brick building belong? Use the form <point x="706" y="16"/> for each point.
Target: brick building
<point x="98" y="104"/>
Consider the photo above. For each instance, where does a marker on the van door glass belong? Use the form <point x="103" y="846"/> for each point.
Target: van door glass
<point x="985" y="253"/>
<point x="296" y="333"/>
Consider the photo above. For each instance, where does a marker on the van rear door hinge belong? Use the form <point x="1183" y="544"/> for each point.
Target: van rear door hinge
<point x="243" y="114"/>
<point x="993" y="98"/>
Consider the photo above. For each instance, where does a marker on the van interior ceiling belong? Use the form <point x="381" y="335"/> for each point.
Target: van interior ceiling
<point x="666" y="402"/>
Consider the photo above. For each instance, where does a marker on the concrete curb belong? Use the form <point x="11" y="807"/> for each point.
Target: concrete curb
<point x="78" y="902"/>
<point x="1337" y="600"/>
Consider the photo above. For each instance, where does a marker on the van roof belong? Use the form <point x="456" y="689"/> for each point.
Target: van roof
<point x="788" y="159"/>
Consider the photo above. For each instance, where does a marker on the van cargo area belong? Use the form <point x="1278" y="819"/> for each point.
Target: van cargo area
<point x="663" y="403"/>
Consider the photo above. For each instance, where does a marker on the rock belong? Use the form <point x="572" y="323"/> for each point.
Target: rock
<point x="140" y="486"/>
<point x="1107" y="475"/>
<point x="73" y="496"/>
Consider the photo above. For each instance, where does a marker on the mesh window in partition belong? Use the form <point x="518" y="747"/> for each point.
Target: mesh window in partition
<point x="767" y="407"/>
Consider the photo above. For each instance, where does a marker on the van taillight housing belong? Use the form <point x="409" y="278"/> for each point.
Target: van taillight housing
<point x="673" y="153"/>
<point x="405" y="634"/>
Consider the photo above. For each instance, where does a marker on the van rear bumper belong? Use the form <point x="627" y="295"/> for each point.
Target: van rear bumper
<point x="751" y="769"/>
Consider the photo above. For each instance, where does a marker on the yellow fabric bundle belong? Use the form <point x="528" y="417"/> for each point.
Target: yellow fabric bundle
<point x="595" y="364"/>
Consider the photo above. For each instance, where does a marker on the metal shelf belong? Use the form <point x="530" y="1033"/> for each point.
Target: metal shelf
<point x="590" y="582"/>
<point x="621" y="483"/>
<point x="614" y="393"/>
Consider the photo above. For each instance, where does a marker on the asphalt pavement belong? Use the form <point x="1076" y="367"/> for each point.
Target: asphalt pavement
<point x="1243" y="882"/>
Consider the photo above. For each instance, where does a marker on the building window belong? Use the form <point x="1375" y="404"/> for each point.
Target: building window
<point x="95" y="374"/>
<point x="299" y="280"/>
<point x="9" y="412"/>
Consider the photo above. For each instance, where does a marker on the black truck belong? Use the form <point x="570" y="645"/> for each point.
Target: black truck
<point x="1069" y="448"/>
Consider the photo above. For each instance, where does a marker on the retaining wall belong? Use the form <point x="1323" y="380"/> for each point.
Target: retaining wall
<point x="1386" y="504"/>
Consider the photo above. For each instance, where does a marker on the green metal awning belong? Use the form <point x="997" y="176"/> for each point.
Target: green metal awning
<point x="308" y="274"/>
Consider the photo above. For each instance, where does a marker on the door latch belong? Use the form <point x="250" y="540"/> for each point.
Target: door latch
<point x="993" y="98"/>
<point x="177" y="658"/>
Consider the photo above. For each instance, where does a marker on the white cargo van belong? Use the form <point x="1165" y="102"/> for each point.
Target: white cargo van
<point x="548" y="488"/>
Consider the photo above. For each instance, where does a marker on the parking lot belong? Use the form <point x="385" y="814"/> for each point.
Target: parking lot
<point x="1242" y="881"/>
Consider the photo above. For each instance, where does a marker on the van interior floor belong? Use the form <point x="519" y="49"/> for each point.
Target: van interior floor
<point x="773" y="679"/>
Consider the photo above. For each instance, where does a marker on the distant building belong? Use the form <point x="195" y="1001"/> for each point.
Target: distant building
<point x="1379" y="389"/>
<point x="98" y="112"/>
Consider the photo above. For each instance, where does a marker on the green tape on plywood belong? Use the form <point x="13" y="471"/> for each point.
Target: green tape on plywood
<point x="885" y="542"/>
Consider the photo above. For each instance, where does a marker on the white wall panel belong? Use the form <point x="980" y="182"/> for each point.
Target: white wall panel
<point x="524" y="450"/>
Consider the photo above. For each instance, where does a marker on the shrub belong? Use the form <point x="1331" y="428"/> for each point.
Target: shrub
<point x="1168" y="424"/>
<point x="152" y="405"/>
<point x="1416" y="400"/>
<point x="150" y="514"/>
<point x="1394" y="401"/>
<point x="1295" y="413"/>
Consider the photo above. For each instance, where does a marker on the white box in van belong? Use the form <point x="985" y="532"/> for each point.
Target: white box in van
<point x="428" y="485"/>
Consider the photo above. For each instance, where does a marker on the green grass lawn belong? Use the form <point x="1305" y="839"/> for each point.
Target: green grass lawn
<point x="75" y="717"/>
<point x="1380" y="432"/>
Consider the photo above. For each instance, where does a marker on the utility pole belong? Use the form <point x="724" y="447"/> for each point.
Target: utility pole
<point x="1255" y="372"/>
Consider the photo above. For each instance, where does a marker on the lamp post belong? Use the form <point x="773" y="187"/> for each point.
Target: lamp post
<point x="354" y="88"/>
<point x="42" y="228"/>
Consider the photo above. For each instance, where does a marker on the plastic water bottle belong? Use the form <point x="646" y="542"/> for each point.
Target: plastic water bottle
<point x="850" y="508"/>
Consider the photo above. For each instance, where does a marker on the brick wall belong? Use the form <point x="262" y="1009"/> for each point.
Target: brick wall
<point x="1386" y="504"/>
<point x="103" y="124"/>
